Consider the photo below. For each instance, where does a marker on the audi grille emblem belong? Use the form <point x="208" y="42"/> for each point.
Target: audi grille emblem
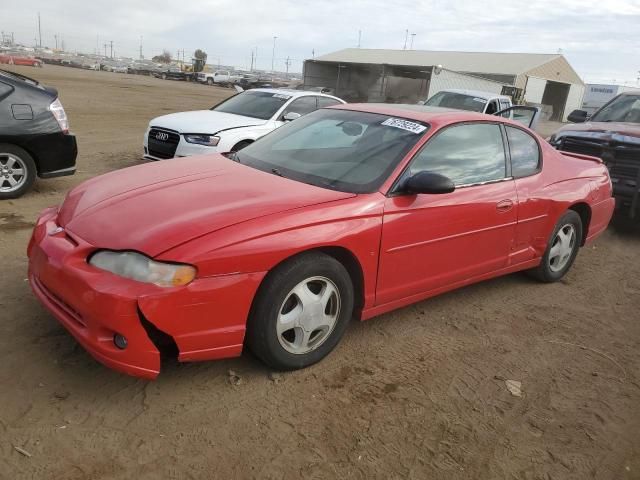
<point x="162" y="136"/>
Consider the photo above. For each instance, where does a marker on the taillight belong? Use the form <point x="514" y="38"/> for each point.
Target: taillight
<point x="60" y="115"/>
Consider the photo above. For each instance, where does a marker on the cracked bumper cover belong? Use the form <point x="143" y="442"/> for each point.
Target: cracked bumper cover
<point x="206" y="319"/>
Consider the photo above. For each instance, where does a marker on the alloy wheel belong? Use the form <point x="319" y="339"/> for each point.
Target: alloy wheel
<point x="13" y="172"/>
<point x="563" y="246"/>
<point x="308" y="315"/>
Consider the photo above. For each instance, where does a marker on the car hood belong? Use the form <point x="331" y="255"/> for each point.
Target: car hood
<point x="611" y="131"/>
<point x="204" y="121"/>
<point x="155" y="207"/>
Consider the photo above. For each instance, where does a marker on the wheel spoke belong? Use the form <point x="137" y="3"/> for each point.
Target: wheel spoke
<point x="10" y="162"/>
<point x="305" y="296"/>
<point x="555" y="251"/>
<point x="289" y="320"/>
<point x="18" y="171"/>
<point x="12" y="181"/>
<point x="327" y="293"/>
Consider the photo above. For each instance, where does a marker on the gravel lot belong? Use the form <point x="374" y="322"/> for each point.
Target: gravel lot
<point x="419" y="393"/>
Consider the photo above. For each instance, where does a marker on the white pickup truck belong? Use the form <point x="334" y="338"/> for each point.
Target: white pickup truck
<point x="471" y="100"/>
<point x="484" y="102"/>
<point x="219" y="76"/>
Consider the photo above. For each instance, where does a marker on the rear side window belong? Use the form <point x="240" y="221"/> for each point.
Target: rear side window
<point x="302" y="105"/>
<point x="525" y="154"/>
<point x="327" y="102"/>
<point x="467" y="154"/>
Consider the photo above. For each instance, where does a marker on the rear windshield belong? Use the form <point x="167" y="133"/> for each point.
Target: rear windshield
<point x="262" y="105"/>
<point x="458" y="101"/>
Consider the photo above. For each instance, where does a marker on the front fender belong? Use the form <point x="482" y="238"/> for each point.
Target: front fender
<point x="354" y="224"/>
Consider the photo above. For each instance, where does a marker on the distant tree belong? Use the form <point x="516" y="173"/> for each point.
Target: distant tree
<point x="200" y="57"/>
<point x="164" y="58"/>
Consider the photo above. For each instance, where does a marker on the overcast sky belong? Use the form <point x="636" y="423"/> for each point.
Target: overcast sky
<point x="601" y="39"/>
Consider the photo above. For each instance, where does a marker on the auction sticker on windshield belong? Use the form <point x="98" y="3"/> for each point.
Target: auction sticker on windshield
<point x="404" y="125"/>
<point x="281" y="96"/>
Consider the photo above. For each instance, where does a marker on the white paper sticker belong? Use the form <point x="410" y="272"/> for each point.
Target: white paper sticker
<point x="281" y="96"/>
<point x="404" y="125"/>
<point x="479" y="100"/>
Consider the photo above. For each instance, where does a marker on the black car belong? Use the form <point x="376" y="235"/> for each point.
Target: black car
<point x="34" y="135"/>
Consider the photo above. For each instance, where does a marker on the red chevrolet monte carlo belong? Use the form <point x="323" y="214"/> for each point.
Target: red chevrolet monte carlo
<point x="348" y="211"/>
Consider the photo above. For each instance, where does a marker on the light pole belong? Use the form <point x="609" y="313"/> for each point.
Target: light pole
<point x="273" y="58"/>
<point x="413" y="35"/>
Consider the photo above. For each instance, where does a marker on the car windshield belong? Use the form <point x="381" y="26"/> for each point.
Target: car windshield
<point x="458" y="101"/>
<point x="625" y="108"/>
<point x="336" y="149"/>
<point x="254" y="104"/>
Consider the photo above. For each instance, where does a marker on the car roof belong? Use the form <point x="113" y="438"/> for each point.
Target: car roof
<point x="292" y="92"/>
<point x="420" y="113"/>
<point x="476" y="93"/>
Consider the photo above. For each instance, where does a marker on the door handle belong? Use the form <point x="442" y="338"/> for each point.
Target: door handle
<point x="504" y="206"/>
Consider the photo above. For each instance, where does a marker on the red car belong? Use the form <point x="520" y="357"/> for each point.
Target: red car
<point x="19" y="60"/>
<point x="349" y="211"/>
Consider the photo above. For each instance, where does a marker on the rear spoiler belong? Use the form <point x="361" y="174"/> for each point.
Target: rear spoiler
<point x="581" y="156"/>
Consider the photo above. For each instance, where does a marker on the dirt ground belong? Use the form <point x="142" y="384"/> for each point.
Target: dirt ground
<point x="419" y="393"/>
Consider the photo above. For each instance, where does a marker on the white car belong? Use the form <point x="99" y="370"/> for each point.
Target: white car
<point x="230" y="125"/>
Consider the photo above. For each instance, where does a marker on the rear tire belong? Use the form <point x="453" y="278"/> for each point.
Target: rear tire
<point x="210" y="81"/>
<point x="300" y="312"/>
<point x="562" y="249"/>
<point x="17" y="171"/>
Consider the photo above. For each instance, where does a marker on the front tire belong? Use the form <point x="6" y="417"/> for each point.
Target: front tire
<point x="562" y="249"/>
<point x="300" y="312"/>
<point x="17" y="171"/>
<point x="210" y="81"/>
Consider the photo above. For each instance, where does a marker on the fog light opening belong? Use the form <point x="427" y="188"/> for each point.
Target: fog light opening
<point x="120" y="341"/>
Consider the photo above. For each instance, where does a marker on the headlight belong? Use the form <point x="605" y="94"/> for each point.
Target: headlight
<point x="207" y="140"/>
<point x="138" y="267"/>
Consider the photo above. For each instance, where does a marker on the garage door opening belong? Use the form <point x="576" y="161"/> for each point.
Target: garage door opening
<point x="555" y="96"/>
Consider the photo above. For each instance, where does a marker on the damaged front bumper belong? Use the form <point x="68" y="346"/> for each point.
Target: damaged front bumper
<point x="204" y="320"/>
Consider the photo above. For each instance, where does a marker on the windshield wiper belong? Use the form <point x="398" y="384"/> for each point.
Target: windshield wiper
<point x="277" y="172"/>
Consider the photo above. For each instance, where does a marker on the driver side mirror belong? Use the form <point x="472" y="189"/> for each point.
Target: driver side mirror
<point x="428" y="182"/>
<point x="578" y="116"/>
<point x="290" y="116"/>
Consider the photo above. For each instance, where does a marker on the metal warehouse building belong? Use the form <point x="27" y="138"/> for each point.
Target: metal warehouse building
<point x="406" y="76"/>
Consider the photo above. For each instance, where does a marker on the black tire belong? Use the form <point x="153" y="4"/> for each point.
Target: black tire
<point x="241" y="145"/>
<point x="545" y="272"/>
<point x="164" y="76"/>
<point x="210" y="81"/>
<point x="262" y="337"/>
<point x="28" y="165"/>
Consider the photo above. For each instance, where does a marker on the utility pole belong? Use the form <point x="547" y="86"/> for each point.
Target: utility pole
<point x="56" y="37"/>
<point x="413" y="35"/>
<point x="287" y="63"/>
<point x="313" y="53"/>
<point x="105" y="50"/>
<point x="273" y="56"/>
<point x="406" y="37"/>
<point x="141" y="57"/>
<point x="359" y="37"/>
<point x="251" y="69"/>
<point x="39" y="30"/>
<point x="111" y="42"/>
